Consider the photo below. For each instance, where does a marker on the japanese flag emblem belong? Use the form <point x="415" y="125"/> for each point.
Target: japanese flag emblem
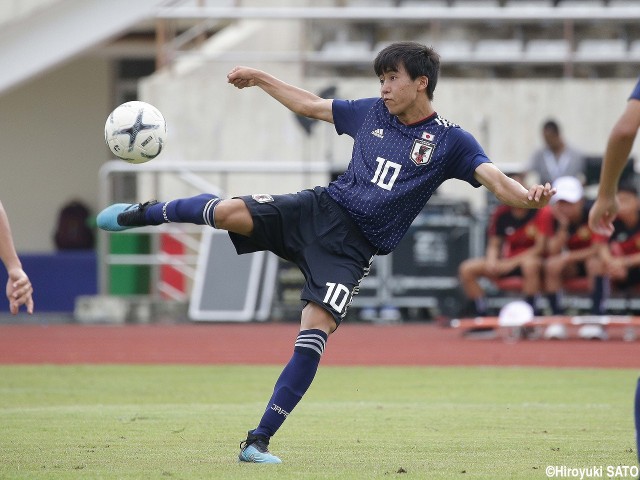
<point x="428" y="136"/>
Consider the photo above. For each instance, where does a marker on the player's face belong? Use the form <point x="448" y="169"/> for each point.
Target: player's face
<point x="404" y="97"/>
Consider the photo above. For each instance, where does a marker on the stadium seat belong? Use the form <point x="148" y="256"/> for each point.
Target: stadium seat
<point x="605" y="49"/>
<point x="546" y="50"/>
<point x="634" y="49"/>
<point x="490" y="49"/>
<point x="509" y="284"/>
<point x="424" y="3"/>
<point x="452" y="50"/>
<point x="580" y="4"/>
<point x="345" y="49"/>
<point x="624" y="3"/>
<point x="579" y="285"/>
<point x="529" y="3"/>
<point x="476" y="3"/>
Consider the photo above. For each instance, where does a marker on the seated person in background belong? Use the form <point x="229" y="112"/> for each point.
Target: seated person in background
<point x="572" y="247"/>
<point x="515" y="243"/>
<point x="620" y="259"/>
<point x="556" y="159"/>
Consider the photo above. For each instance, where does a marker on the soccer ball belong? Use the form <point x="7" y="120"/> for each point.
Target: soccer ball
<point x="135" y="132"/>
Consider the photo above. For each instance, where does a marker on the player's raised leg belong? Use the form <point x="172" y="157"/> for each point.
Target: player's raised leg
<point x="204" y="209"/>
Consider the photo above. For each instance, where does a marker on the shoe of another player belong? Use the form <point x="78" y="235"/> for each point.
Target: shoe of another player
<point x="255" y="449"/>
<point x="123" y="216"/>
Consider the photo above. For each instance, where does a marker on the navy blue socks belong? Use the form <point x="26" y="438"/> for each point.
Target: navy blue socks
<point x="198" y="210"/>
<point x="637" y="418"/>
<point x="294" y="380"/>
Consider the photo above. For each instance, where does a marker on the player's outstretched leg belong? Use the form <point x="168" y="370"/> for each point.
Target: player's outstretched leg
<point x="123" y="216"/>
<point x="292" y="384"/>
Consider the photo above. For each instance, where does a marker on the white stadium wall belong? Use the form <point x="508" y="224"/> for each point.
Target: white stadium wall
<point x="52" y="139"/>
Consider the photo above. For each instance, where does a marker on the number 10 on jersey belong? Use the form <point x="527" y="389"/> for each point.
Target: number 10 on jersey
<point x="386" y="173"/>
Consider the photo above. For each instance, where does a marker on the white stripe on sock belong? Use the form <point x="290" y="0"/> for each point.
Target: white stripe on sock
<point x="312" y="341"/>
<point x="208" y="211"/>
<point x="310" y="347"/>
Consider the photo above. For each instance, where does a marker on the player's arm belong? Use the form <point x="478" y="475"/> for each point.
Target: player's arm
<point x="295" y="99"/>
<point x="616" y="155"/>
<point x="509" y="191"/>
<point x="18" y="288"/>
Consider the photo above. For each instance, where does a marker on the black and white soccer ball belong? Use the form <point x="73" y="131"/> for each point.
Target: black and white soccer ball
<point x="135" y="132"/>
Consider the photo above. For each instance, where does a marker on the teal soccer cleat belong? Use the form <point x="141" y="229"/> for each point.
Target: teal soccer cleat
<point x="255" y="449"/>
<point x="123" y="216"/>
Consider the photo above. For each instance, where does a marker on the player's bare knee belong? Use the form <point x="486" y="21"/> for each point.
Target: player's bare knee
<point x="233" y="215"/>
<point x="316" y="317"/>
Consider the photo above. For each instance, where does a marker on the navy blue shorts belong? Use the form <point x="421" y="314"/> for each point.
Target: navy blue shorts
<point x="311" y="230"/>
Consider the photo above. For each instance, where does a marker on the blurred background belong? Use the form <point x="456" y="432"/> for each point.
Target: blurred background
<point x="507" y="67"/>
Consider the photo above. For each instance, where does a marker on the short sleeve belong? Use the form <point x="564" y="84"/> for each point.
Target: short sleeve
<point x="635" y="95"/>
<point x="349" y="115"/>
<point x="466" y="156"/>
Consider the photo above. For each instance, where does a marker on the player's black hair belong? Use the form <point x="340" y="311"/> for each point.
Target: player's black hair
<point x="418" y="60"/>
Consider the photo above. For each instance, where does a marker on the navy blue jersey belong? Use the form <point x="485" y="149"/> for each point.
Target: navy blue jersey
<point x="636" y="92"/>
<point x="395" y="168"/>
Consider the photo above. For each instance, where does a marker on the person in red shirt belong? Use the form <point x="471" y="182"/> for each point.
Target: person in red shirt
<point x="620" y="259"/>
<point x="515" y="244"/>
<point x="572" y="249"/>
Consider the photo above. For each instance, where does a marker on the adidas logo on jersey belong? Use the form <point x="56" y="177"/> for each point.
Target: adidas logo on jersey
<point x="378" y="132"/>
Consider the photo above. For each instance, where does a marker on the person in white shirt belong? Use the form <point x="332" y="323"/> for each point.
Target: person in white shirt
<point x="556" y="159"/>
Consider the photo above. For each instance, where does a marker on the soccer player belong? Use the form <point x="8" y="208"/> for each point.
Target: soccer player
<point x="621" y="139"/>
<point x="515" y="245"/>
<point x="19" y="290"/>
<point x="604" y="210"/>
<point x="403" y="151"/>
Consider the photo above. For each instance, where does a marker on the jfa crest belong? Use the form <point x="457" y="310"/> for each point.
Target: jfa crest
<point x="421" y="152"/>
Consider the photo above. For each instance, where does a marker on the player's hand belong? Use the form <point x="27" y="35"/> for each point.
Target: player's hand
<point x="242" y="77"/>
<point x="19" y="291"/>
<point x="541" y="194"/>
<point x="602" y="214"/>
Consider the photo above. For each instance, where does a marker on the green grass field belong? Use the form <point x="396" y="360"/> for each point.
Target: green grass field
<point x="185" y="422"/>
